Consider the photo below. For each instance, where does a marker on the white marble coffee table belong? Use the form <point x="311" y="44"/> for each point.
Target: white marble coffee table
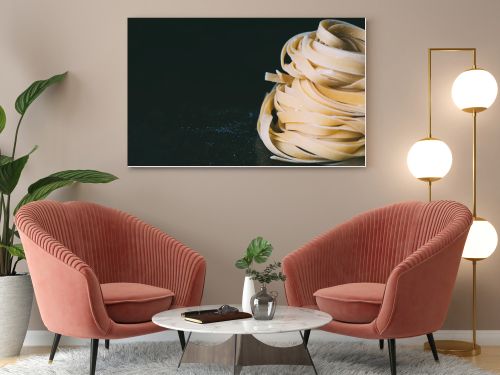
<point x="242" y="348"/>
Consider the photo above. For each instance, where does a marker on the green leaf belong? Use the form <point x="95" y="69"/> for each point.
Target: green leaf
<point x="15" y="250"/>
<point x="259" y="250"/>
<point x="10" y="172"/>
<point x="242" y="263"/>
<point x="261" y="258"/>
<point x="46" y="182"/>
<point x="86" y="176"/>
<point x="42" y="193"/>
<point x="36" y="88"/>
<point x="3" y="119"/>
<point x="43" y="187"/>
<point x="4" y="159"/>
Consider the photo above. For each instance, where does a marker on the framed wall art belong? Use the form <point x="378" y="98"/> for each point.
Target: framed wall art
<point x="253" y="92"/>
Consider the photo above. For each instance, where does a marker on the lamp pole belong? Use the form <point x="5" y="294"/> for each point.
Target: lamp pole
<point x="454" y="347"/>
<point x="475" y="347"/>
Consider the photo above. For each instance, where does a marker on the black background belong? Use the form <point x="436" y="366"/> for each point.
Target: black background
<point x="195" y="87"/>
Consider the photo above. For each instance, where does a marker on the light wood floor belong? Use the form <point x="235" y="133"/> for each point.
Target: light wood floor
<point x="488" y="360"/>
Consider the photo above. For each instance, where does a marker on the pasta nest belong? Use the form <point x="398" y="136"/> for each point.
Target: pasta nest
<point x="315" y="112"/>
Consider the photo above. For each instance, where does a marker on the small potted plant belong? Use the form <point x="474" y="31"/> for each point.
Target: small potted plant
<point x="258" y="251"/>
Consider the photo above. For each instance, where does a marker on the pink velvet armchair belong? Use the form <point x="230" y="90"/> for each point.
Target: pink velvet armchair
<point x="99" y="273"/>
<point x="385" y="274"/>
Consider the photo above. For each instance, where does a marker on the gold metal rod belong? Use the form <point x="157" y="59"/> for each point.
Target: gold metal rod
<point x="430" y="191"/>
<point x="474" y="165"/>
<point x="429" y="90"/>
<point x="458" y="49"/>
<point x="474" y="300"/>
<point x="429" y="78"/>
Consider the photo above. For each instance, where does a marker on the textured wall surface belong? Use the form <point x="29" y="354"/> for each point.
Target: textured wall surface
<point x="83" y="124"/>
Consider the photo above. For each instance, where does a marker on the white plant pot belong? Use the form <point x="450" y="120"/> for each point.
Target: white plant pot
<point x="248" y="292"/>
<point x="16" y="298"/>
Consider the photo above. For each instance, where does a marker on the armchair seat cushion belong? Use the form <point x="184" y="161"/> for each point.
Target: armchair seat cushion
<point x="351" y="303"/>
<point x="133" y="302"/>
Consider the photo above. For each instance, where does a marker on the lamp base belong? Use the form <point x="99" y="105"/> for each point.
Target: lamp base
<point x="456" y="348"/>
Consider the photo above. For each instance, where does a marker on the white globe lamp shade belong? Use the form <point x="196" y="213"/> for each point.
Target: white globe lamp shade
<point x="429" y="159"/>
<point x="481" y="241"/>
<point x="474" y="90"/>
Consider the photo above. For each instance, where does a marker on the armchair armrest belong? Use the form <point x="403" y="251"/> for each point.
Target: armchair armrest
<point x="419" y="289"/>
<point x="68" y="292"/>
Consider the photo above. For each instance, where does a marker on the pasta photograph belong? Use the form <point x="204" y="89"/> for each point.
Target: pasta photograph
<point x="248" y="92"/>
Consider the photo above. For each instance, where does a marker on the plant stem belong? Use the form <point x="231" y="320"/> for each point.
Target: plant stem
<point x="5" y="234"/>
<point x="6" y="237"/>
<point x="3" y="252"/>
<point x="15" y="137"/>
<point x="12" y="233"/>
<point x="13" y="270"/>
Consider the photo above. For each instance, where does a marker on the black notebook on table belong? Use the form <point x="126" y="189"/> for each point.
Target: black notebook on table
<point x="213" y="316"/>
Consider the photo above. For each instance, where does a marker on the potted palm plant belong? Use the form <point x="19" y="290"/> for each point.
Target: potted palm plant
<point x="16" y="291"/>
<point x="258" y="251"/>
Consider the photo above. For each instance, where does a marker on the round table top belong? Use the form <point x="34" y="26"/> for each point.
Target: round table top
<point x="286" y="319"/>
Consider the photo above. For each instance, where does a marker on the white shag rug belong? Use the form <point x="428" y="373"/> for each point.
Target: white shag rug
<point x="162" y="357"/>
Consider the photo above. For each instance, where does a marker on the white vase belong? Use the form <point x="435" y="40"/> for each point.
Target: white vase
<point x="248" y="292"/>
<point x="16" y="298"/>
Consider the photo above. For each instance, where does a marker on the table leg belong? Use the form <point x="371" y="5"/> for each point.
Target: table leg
<point x="246" y="350"/>
<point x="236" y="366"/>
<point x="184" y="350"/>
<point x="305" y="340"/>
<point x="182" y="339"/>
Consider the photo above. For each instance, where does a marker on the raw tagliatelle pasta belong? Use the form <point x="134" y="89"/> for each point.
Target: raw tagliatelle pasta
<point x="316" y="111"/>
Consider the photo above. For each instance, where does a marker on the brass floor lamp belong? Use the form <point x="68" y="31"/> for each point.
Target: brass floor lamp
<point x="430" y="159"/>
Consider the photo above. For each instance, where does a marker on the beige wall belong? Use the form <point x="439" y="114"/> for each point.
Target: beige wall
<point x="82" y="124"/>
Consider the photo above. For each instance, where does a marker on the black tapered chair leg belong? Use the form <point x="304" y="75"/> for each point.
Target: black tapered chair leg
<point x="381" y="344"/>
<point x="432" y="344"/>
<point x="55" y="344"/>
<point x="94" y="346"/>
<point x="307" y="333"/>
<point x="392" y="355"/>
<point x="106" y="344"/>
<point x="182" y="339"/>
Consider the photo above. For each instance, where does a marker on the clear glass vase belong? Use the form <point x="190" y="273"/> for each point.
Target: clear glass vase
<point x="263" y="304"/>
